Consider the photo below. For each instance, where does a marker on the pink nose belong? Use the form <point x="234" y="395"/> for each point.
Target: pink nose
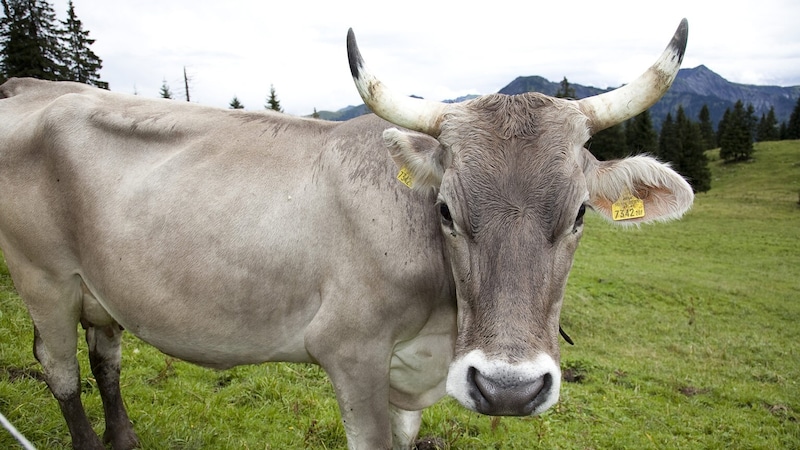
<point x="499" y="397"/>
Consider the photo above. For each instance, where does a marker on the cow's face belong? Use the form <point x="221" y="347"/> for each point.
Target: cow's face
<point x="511" y="199"/>
<point x="513" y="183"/>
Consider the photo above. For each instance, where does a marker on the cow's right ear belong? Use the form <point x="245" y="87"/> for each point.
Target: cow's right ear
<point x="421" y="157"/>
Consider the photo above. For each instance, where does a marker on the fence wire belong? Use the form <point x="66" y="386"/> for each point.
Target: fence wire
<point x="26" y="444"/>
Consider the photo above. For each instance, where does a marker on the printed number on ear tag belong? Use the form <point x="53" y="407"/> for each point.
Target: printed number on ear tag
<point x="405" y="177"/>
<point x="627" y="207"/>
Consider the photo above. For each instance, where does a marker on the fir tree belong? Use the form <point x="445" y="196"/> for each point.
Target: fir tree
<point x="565" y="91"/>
<point x="272" y="101"/>
<point x="706" y="129"/>
<point x="609" y="143"/>
<point x="82" y="64"/>
<point x="640" y="136"/>
<point x="793" y="127"/>
<point x="235" y="103"/>
<point x="736" y="141"/>
<point x="669" y="142"/>
<point x="31" y="41"/>
<point x="768" y="127"/>
<point x="692" y="161"/>
<point x="165" y="92"/>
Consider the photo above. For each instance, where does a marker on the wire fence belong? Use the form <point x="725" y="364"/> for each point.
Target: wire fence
<point x="26" y="444"/>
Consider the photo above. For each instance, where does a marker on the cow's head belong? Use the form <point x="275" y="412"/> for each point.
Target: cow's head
<point x="513" y="182"/>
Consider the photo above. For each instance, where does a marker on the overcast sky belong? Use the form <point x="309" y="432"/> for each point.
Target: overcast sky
<point x="435" y="49"/>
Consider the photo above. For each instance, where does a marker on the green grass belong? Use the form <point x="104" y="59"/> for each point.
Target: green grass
<point x="687" y="336"/>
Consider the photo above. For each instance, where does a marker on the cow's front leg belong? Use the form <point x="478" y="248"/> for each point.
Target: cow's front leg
<point x="104" y="357"/>
<point x="405" y="426"/>
<point x="358" y="367"/>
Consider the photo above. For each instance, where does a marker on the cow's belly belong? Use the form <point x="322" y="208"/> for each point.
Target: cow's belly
<point x="215" y="330"/>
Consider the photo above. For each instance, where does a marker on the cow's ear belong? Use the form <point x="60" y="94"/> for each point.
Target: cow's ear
<point x="421" y="159"/>
<point x="637" y="189"/>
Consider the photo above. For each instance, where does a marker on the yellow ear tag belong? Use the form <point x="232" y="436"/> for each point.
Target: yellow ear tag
<point x="627" y="207"/>
<point x="405" y="177"/>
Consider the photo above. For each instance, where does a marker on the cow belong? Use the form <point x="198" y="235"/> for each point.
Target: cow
<point x="226" y="237"/>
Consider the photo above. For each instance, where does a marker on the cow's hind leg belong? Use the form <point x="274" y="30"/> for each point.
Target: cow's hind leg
<point x="55" y="310"/>
<point x="104" y="357"/>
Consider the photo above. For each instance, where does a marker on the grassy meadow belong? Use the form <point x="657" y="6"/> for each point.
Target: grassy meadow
<point x="687" y="336"/>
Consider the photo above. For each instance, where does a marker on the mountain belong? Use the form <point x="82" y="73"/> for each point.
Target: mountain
<point x="692" y="89"/>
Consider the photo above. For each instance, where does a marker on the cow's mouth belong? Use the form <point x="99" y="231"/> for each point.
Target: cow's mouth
<point x="503" y="398"/>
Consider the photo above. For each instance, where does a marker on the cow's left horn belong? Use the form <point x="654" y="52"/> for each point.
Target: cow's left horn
<point x="413" y="113"/>
<point x="608" y="109"/>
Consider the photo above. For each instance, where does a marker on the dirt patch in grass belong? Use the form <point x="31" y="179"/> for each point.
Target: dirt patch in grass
<point x="430" y="443"/>
<point x="19" y="373"/>
<point x="691" y="391"/>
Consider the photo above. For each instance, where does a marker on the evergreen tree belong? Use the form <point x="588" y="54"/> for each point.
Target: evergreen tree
<point x="165" y="91"/>
<point x="31" y="41"/>
<point x="609" y="143"/>
<point x="793" y="127"/>
<point x="706" y="129"/>
<point x="81" y="63"/>
<point x="723" y="125"/>
<point x="669" y="142"/>
<point x="768" y="127"/>
<point x="272" y="101"/>
<point x="315" y="114"/>
<point x="692" y="161"/>
<point x="565" y="91"/>
<point x="235" y="103"/>
<point x="640" y="136"/>
<point x="736" y="142"/>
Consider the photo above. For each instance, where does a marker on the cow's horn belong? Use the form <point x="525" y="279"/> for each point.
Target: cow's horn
<point x="608" y="109"/>
<point x="413" y="113"/>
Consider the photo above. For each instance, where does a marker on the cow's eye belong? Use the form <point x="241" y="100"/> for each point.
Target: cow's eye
<point x="447" y="219"/>
<point x="579" y="218"/>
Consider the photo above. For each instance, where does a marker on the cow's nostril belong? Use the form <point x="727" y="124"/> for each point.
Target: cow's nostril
<point x="510" y="396"/>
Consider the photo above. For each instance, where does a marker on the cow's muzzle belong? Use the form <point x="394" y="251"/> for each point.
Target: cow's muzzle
<point x="498" y="388"/>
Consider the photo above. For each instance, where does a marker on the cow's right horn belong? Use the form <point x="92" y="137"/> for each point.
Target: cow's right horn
<point x="416" y="114"/>
<point x="608" y="109"/>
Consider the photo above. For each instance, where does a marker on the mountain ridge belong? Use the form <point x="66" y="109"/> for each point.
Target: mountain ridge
<point x="693" y="88"/>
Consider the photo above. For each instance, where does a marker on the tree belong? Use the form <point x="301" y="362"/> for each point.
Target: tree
<point x="669" y="142"/>
<point x="565" y="91"/>
<point x="793" y="127"/>
<point x="272" y="101"/>
<point x="31" y="41"/>
<point x="315" y="114"/>
<point x="692" y="161"/>
<point x="735" y="140"/>
<point x="640" y="136"/>
<point x="165" y="91"/>
<point x="235" y="103"/>
<point x="609" y="143"/>
<point x="81" y="63"/>
<point x="768" y="127"/>
<point x="707" y="129"/>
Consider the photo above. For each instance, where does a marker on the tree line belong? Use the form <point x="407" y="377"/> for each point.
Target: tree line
<point x="683" y="142"/>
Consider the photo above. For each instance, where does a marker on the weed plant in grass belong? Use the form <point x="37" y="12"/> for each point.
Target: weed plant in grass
<point x="687" y="336"/>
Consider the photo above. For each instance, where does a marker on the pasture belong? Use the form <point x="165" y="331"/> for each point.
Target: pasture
<point x="687" y="336"/>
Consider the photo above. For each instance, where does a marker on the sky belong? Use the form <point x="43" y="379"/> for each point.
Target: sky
<point x="434" y="49"/>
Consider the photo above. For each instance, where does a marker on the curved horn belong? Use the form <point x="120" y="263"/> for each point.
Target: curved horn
<point x="413" y="113"/>
<point x="610" y="108"/>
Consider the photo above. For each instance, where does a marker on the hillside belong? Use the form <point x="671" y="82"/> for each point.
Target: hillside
<point x="693" y="88"/>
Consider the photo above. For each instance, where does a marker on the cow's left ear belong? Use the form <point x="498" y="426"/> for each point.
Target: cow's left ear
<point x="420" y="157"/>
<point x="637" y="189"/>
